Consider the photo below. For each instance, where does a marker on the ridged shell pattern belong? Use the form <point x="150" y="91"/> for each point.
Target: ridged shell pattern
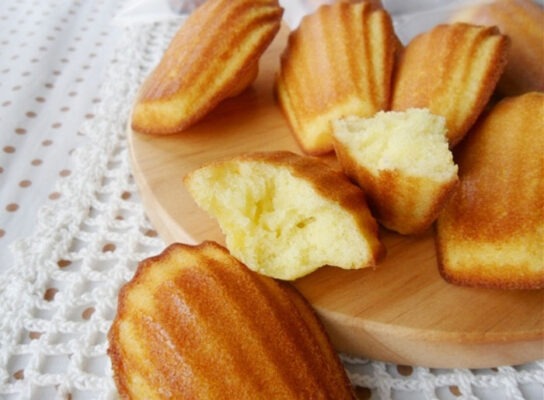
<point x="452" y="70"/>
<point x="213" y="55"/>
<point x="523" y="22"/>
<point x="337" y="63"/>
<point x="196" y="323"/>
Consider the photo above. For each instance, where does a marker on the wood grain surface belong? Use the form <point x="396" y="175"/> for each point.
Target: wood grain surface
<point x="402" y="311"/>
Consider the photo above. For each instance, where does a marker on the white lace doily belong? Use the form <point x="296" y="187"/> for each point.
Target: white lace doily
<point x="59" y="298"/>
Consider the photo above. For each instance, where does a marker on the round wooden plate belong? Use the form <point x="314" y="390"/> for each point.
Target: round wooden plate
<point x="402" y="311"/>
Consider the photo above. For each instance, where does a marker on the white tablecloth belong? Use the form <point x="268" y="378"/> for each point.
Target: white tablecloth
<point x="72" y="227"/>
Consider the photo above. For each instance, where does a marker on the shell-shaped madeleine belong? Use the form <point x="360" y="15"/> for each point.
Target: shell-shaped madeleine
<point x="491" y="232"/>
<point x="338" y="62"/>
<point x="196" y="323"/>
<point x="452" y="70"/>
<point x="214" y="55"/>
<point x="523" y="22"/>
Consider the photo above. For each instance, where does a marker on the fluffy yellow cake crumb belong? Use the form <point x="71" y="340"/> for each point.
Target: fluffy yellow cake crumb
<point x="280" y="221"/>
<point x="403" y="163"/>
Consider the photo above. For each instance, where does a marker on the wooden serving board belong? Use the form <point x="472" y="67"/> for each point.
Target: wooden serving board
<point x="401" y="312"/>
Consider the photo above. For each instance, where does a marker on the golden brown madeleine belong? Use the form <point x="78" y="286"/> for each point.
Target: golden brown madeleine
<point x="214" y="55"/>
<point x="523" y="22"/>
<point x="452" y="70"/>
<point x="285" y="215"/>
<point x="196" y="323"/>
<point x="337" y="63"/>
<point x="491" y="233"/>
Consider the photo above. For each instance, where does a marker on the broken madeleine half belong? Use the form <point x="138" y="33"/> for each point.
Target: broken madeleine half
<point x="285" y="215"/>
<point x="213" y="56"/>
<point x="402" y="162"/>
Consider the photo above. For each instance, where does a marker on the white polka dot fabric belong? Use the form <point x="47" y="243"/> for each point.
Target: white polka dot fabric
<point x="52" y="57"/>
<point x="67" y="81"/>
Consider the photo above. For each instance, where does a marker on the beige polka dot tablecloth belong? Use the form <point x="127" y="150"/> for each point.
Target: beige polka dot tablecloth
<point x="72" y="227"/>
<point x="52" y="58"/>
